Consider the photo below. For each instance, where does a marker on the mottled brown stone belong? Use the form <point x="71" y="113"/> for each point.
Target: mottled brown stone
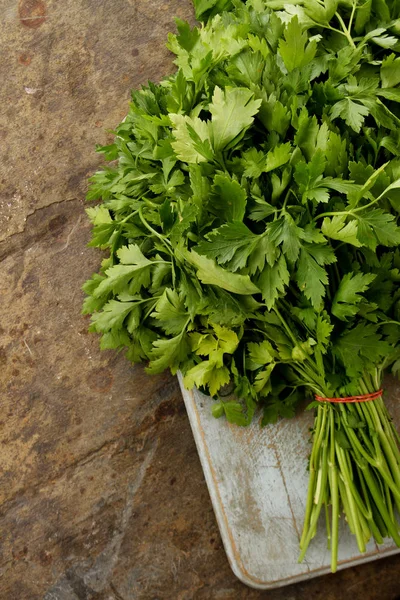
<point x="102" y="496"/>
<point x="32" y="13"/>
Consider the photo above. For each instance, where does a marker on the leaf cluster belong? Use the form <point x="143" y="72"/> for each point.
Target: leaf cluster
<point x="250" y="210"/>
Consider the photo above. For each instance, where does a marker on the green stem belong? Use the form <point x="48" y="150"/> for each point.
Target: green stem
<point x="351" y="17"/>
<point x="373" y="527"/>
<point x="164" y="240"/>
<point x="364" y="477"/>
<point x="334" y="491"/>
<point x="353" y="211"/>
<point x="318" y="433"/>
<point x="355" y="515"/>
<point x="345" y="502"/>
<point x="377" y="496"/>
<point x="317" y="509"/>
<point x="345" y="30"/>
<point x="135" y="212"/>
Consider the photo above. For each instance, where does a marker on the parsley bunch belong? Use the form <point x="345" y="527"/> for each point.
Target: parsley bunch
<point x="251" y="225"/>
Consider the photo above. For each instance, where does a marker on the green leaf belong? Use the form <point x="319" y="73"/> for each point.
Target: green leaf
<point x="132" y="255"/>
<point x="207" y="374"/>
<point x="99" y="215"/>
<point x="308" y="177"/>
<point x="184" y="222"/>
<point x="227" y="339"/>
<point x="167" y="216"/>
<point x="351" y="112"/>
<point x="104" y="234"/>
<point x="228" y="199"/>
<point x="92" y="284"/>
<point x="359" y="347"/>
<point x="116" y="338"/>
<point x="168" y="353"/>
<point x="203" y="344"/>
<point x="378" y="227"/>
<point x="262" y="383"/>
<point x="273" y="281"/>
<point x="247" y="67"/>
<point x="261" y="210"/>
<point x="279" y="156"/>
<point x="323" y="253"/>
<point x="336" y="228"/>
<point x="200" y="185"/>
<point x="274" y="115"/>
<point x="285" y="231"/>
<point x="279" y="184"/>
<point x="210" y="273"/>
<point x="205" y="8"/>
<point x="187" y="39"/>
<point x="217" y="410"/>
<point x="311" y="278"/>
<point x="392" y="94"/>
<point x="295" y="49"/>
<point x="233" y="111"/>
<point x="306" y="134"/>
<point x="133" y="321"/>
<point x="134" y="271"/>
<point x="323" y="331"/>
<point x="112" y="316"/>
<point x="259" y="355"/>
<point x="302" y="350"/>
<point x="348" y="295"/>
<point x="191" y="143"/>
<point x="142" y="345"/>
<point x="253" y="162"/>
<point x="235" y="414"/>
<point x="363" y="15"/>
<point x="170" y="312"/>
<point x="390" y="71"/>
<point x="232" y="243"/>
<point x="264" y="252"/>
<point x="336" y="155"/>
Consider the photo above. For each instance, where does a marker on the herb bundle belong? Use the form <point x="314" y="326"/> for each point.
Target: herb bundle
<point x="251" y="224"/>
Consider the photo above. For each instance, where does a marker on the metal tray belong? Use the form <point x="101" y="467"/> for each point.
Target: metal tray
<point x="257" y="479"/>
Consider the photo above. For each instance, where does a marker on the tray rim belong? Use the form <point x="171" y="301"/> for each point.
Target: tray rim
<point x="231" y="550"/>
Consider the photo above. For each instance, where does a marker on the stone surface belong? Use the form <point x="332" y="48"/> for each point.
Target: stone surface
<point x="102" y="493"/>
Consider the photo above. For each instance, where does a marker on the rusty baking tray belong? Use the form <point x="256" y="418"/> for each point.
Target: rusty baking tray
<point x="257" y="479"/>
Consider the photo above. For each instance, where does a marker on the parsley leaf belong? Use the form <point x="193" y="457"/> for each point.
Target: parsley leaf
<point x="232" y="243"/>
<point x="348" y="296"/>
<point x="273" y="280"/>
<point x="233" y="111"/>
<point x="210" y="273"/>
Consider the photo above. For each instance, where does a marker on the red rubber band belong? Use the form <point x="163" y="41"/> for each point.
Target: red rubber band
<point x="361" y="398"/>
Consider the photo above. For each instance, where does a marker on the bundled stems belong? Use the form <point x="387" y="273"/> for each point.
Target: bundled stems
<point x="354" y="468"/>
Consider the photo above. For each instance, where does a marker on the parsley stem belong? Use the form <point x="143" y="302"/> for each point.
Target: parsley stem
<point x="285" y="326"/>
<point x="353" y="211"/>
<point x="286" y="200"/>
<point x="334" y="492"/>
<point x="345" y="30"/>
<point x="154" y="232"/>
<point x="149" y="311"/>
<point x="147" y="299"/>
<point x="152" y="204"/>
<point x="321" y="485"/>
<point x="129" y="216"/>
<point x="353" y="10"/>
<point x="389" y="322"/>
<point x="335" y="30"/>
